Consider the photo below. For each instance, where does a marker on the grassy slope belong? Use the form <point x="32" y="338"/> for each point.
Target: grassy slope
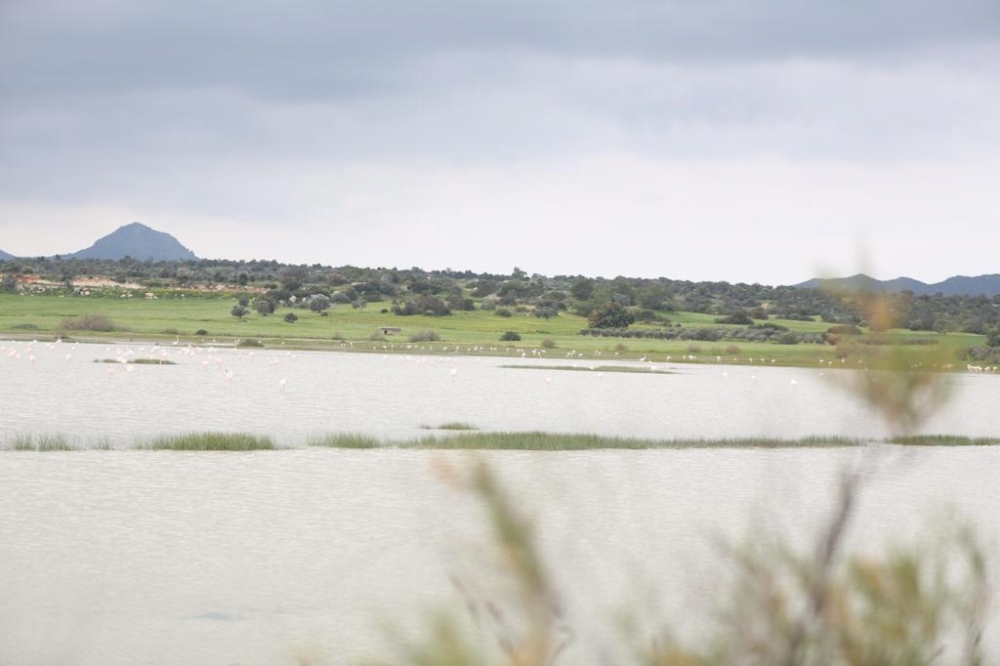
<point x="159" y="318"/>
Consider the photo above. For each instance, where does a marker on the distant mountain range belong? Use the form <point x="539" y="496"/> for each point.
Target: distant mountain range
<point x="140" y="242"/>
<point x="133" y="240"/>
<point x="982" y="285"/>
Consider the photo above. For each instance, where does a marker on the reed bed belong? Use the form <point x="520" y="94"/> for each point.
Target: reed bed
<point x="137" y="361"/>
<point x="39" y="443"/>
<point x="543" y="441"/>
<point x="639" y="370"/>
<point x="52" y="442"/>
<point x="945" y="440"/>
<point x="464" y="436"/>
<point x="451" y="425"/>
<point x="346" y="441"/>
<point x="211" y="441"/>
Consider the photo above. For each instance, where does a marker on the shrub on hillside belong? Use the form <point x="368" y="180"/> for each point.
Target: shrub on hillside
<point x="610" y="315"/>
<point x="98" y="322"/>
<point x="423" y="304"/>
<point x="425" y="336"/>
<point x="844" y="329"/>
<point x="739" y="318"/>
<point x="650" y="317"/>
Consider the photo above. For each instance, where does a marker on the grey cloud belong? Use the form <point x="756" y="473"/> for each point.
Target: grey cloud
<point x="493" y="107"/>
<point x="171" y="102"/>
<point x="324" y="49"/>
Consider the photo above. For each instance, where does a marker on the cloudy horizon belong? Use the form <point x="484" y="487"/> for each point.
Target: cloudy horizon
<point x="764" y="142"/>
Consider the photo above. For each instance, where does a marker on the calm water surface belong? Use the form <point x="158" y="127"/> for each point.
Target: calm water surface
<point x="133" y="557"/>
<point x="169" y="558"/>
<point x="57" y="388"/>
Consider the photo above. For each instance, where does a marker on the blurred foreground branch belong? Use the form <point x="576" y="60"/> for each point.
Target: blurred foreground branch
<point x="822" y="607"/>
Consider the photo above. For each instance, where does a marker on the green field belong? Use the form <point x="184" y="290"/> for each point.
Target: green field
<point x="181" y="317"/>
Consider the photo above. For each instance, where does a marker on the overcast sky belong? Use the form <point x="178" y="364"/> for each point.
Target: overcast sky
<point x="749" y="141"/>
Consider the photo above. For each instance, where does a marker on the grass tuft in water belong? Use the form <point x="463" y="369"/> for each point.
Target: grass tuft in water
<point x="542" y="441"/>
<point x="214" y="441"/>
<point x="347" y="441"/>
<point x="451" y="425"/>
<point x="639" y="370"/>
<point x="40" y="443"/>
<point x="137" y="361"/>
<point x="944" y="440"/>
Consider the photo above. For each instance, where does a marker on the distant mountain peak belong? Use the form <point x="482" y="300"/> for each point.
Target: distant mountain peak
<point x="982" y="285"/>
<point x="138" y="241"/>
<point x="6" y="257"/>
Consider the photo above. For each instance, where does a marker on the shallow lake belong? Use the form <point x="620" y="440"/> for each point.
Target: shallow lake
<point x="322" y="556"/>
<point x="137" y="557"/>
<point x="58" y="388"/>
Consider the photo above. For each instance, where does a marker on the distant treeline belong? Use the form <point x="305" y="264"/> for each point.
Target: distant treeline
<point x="413" y="290"/>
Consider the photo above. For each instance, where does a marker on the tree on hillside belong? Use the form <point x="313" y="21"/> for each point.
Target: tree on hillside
<point x="610" y="315"/>
<point x="655" y="296"/>
<point x="293" y="277"/>
<point x="993" y="336"/>
<point x="263" y="305"/>
<point x="239" y="311"/>
<point x="319" y="303"/>
<point x="582" y="289"/>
